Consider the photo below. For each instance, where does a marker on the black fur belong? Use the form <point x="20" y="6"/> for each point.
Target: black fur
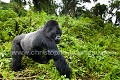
<point x="35" y="43"/>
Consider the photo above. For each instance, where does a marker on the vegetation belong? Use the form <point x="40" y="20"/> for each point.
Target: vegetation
<point x="90" y="46"/>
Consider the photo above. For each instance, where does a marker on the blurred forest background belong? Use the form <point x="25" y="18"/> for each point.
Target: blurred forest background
<point x="90" y="41"/>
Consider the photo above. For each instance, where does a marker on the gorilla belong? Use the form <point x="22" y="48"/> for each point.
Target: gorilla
<point x="41" y="47"/>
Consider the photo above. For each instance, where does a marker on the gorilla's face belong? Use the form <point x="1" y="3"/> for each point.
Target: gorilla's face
<point x="56" y="34"/>
<point x="53" y="31"/>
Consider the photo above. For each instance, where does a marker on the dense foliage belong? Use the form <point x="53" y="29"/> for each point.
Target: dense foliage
<point x="91" y="47"/>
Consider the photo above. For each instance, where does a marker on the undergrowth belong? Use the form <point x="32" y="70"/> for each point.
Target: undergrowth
<point x="91" y="50"/>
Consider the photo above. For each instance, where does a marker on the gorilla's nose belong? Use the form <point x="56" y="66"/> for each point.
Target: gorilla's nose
<point x="58" y="37"/>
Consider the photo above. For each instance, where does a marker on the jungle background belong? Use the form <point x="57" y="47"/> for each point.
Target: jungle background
<point x="90" y="42"/>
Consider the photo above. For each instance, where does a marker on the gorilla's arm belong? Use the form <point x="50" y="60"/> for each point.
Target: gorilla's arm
<point x="17" y="52"/>
<point x="59" y="61"/>
<point x="62" y="65"/>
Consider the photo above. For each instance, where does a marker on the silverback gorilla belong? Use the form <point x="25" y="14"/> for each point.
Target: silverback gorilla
<point x="36" y="43"/>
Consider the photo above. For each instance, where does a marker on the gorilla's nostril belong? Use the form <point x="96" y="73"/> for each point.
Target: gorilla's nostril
<point x="58" y="37"/>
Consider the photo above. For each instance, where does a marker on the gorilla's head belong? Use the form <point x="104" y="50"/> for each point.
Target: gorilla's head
<point x="53" y="30"/>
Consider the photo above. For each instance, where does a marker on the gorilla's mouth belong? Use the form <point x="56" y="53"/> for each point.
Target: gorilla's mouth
<point x="57" y="39"/>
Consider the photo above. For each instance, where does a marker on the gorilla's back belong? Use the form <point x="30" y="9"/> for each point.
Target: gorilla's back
<point x="26" y="42"/>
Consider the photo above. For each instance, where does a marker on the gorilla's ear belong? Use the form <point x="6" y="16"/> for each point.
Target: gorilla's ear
<point x="48" y="31"/>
